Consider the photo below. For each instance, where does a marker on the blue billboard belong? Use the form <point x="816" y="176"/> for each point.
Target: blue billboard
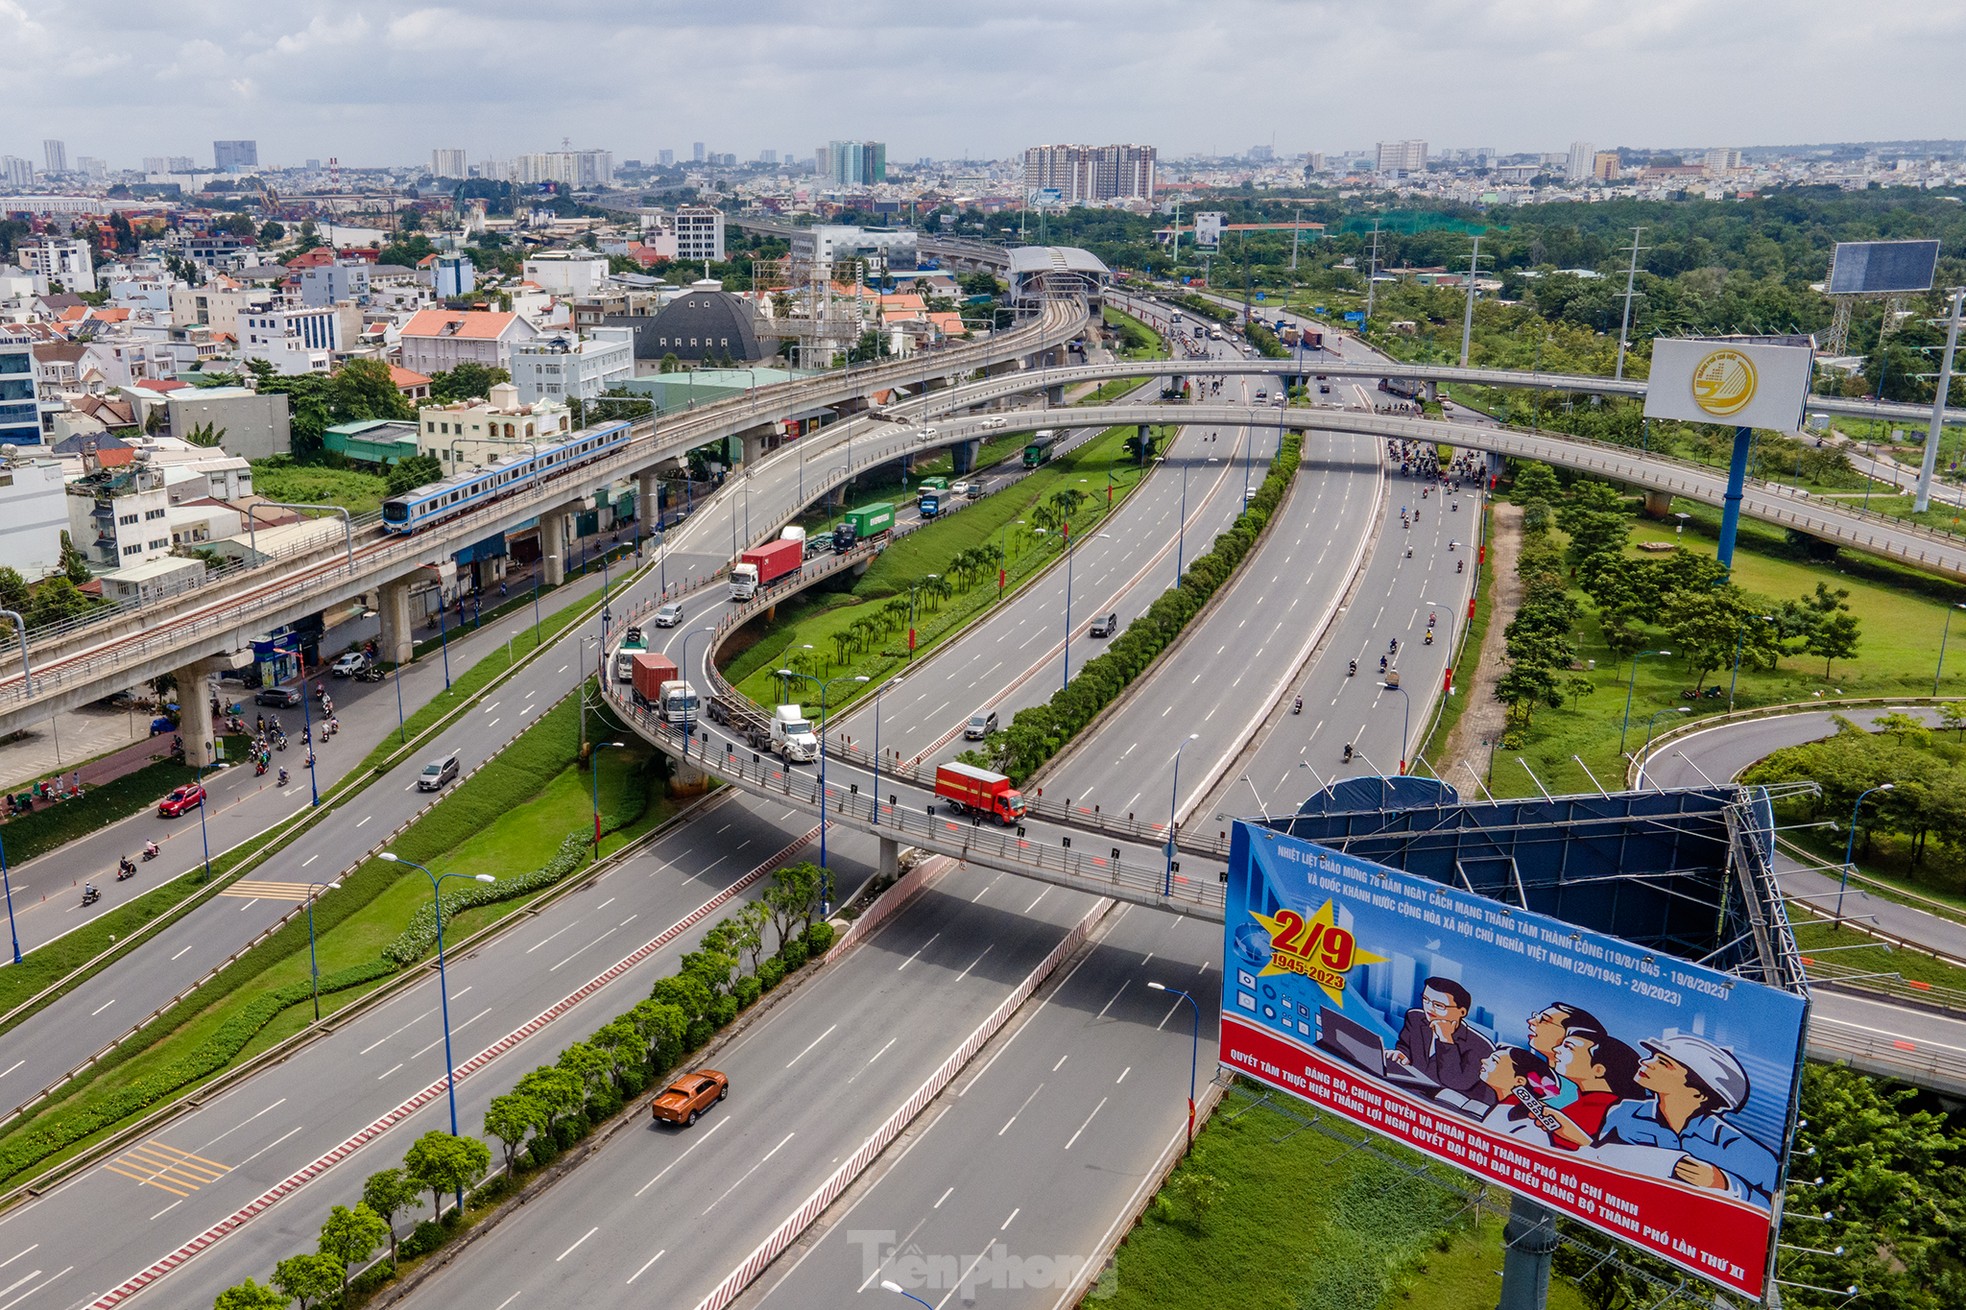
<point x="1620" y="1086"/>
<point x="1355" y="316"/>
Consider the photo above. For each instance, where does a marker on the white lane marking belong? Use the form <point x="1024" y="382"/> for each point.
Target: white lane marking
<point x="1088" y="1122"/>
<point x="310" y="859"/>
<point x="576" y="1246"/>
<point x="1123" y="1073"/>
<point x="104" y="1006"/>
<point x="1020" y="1109"/>
<point x="875" y="1056"/>
<point x="1013" y="1214"/>
<point x="596" y="942"/>
<point x="37" y="1246"/>
<point x="456" y="1028"/>
<point x="167" y="1209"/>
<point x="542" y="941"/>
<point x="940" y="1199"/>
<point x="241" y="1124"/>
<point x="269" y="1146"/>
<point x="753" y="1169"/>
<point x="978" y="960"/>
<point x="684" y="1156"/>
<point x="364" y="819"/>
<point x="808" y="1050"/>
<point x="645" y="1268"/>
<point x="924" y="946"/>
<point x="185" y="949"/>
<point x="386" y="1072"/>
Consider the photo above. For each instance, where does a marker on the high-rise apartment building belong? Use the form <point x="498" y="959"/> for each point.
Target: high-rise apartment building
<point x="448" y="162"/>
<point x="854" y="163"/>
<point x="1723" y="160"/>
<point x="1583" y="159"/>
<point x="16" y="172"/>
<point x="1604" y="166"/>
<point x="230" y="155"/>
<point x="154" y="164"/>
<point x="182" y="164"/>
<point x="696" y="151"/>
<point x="20" y="404"/>
<point x="1090" y="174"/>
<point x="575" y="168"/>
<point x="666" y="158"/>
<point x="65" y="262"/>
<point x="1401" y="157"/>
<point x="54" y="154"/>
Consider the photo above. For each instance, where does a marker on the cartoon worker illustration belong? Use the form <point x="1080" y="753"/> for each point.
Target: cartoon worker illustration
<point x="1519" y="1080"/>
<point x="1547" y="1029"/>
<point x="1600" y="1071"/>
<point x="1693" y="1085"/>
<point x="1436" y="1041"/>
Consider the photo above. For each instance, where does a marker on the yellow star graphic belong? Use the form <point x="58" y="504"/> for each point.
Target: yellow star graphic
<point x="1315" y="948"/>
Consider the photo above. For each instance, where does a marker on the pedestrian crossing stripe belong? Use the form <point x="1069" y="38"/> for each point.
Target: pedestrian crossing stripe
<point x="156" y="1164"/>
<point x="254" y="888"/>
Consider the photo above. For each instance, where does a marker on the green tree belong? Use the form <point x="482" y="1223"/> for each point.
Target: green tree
<point x="1953" y="715"/>
<point x="791" y="898"/>
<point x="251" y="1296"/>
<point x="74" y="564"/>
<point x="588" y="1067"/>
<point x="1538" y="481"/>
<point x="350" y="1236"/>
<point x="308" y="1279"/>
<point x="271" y="231"/>
<point x="13" y="589"/>
<point x="467" y="381"/>
<point x="1834" y="638"/>
<point x="555" y="1093"/>
<point x="439" y="1163"/>
<point x="390" y="1192"/>
<point x="206" y="434"/>
<point x="413" y="471"/>
<point x="55" y="600"/>
<point x="511" y="1118"/>
<point x="363" y="389"/>
<point x="1597" y="522"/>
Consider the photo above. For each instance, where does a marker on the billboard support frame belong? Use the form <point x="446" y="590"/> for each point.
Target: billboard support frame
<point x="1922" y="500"/>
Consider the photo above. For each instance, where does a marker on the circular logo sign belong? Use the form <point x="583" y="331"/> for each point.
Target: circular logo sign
<point x="1723" y="383"/>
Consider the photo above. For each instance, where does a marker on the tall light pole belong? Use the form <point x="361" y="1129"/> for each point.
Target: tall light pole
<point x="1467" y="315"/>
<point x="1647" y="747"/>
<point x="1173" y="808"/>
<point x="889" y="1285"/>
<point x="306" y="739"/>
<point x="1630" y="683"/>
<point x="825" y="872"/>
<point x="684" y="670"/>
<point x="1624" y="324"/>
<point x="1850" y="846"/>
<point x="443" y="982"/>
<point x="1406" y="721"/>
<point x="313" y="964"/>
<point x="594" y="767"/>
<point x="1070" y="552"/>
<point x="1943" y="634"/>
<point x="6" y="883"/>
<point x="1194" y="1050"/>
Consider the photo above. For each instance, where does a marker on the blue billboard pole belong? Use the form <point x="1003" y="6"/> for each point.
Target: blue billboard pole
<point x="1730" y="514"/>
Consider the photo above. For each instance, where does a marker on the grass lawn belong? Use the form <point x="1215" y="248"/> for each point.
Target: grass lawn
<point x="508" y="818"/>
<point x="356" y="490"/>
<point x="1001" y="517"/>
<point x="1897" y="653"/>
<point x="1306" y="1218"/>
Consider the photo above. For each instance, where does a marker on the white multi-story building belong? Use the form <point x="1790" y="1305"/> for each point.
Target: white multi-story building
<point x="448" y="163"/>
<point x="453" y="277"/>
<point x="567" y="272"/>
<point x="439" y="339"/>
<point x="1581" y="162"/>
<point x="120" y="521"/>
<point x="20" y="394"/>
<point x="1091" y="174"/>
<point x="33" y="514"/>
<point x="575" y="168"/>
<point x="292" y="338"/>
<point x="700" y="233"/>
<point x="473" y="434"/>
<point x="62" y="260"/>
<point x="1401" y="157"/>
<point x="17" y="172"/>
<point x="562" y="367"/>
<point x="56" y="154"/>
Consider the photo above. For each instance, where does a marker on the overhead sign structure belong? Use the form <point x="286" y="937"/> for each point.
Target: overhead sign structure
<point x="1742" y="383"/>
<point x="1638" y="1093"/>
<point x="1882" y="268"/>
<point x="1208" y="227"/>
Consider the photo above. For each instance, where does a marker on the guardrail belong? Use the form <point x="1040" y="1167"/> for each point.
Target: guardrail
<point x="1896" y="1057"/>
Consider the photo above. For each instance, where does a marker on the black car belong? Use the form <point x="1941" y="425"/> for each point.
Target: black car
<point x="1107" y="626"/>
<point x="281" y="697"/>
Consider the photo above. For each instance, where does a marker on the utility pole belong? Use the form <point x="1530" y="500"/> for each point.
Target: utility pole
<point x="1177" y="238"/>
<point x="1296" y="226"/>
<point x="1467" y="315"/>
<point x="1624" y="326"/>
<point x="1371" y="275"/>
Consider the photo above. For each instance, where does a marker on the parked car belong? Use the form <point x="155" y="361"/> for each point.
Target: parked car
<point x="279" y="697"/>
<point x="669" y="615"/>
<point x="1105" y="626"/>
<point x="188" y="797"/>
<point x="350" y="665"/>
<point x="685" y="1100"/>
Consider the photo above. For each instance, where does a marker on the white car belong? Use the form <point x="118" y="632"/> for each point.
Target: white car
<point x="669" y="615"/>
<point x="349" y="665"/>
<point x="963" y="489"/>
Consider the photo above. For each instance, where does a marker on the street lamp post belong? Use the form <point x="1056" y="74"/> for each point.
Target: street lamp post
<point x="204" y="836"/>
<point x="889" y="1285"/>
<point x="313" y="965"/>
<point x="1647" y="747"/>
<point x="1173" y="808"/>
<point x="1406" y="721"/>
<point x="1740" y="630"/>
<point x="1194" y="1052"/>
<point x="889" y="685"/>
<point x="1631" y="683"/>
<point x="443" y="981"/>
<point x="594" y="766"/>
<point x="6" y="884"/>
<point x="684" y="669"/>
<point x="1850" y="846"/>
<point x="1943" y="634"/>
<point x="825" y="872"/>
<point x="443" y="638"/>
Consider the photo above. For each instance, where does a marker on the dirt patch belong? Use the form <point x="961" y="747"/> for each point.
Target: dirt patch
<point x="1481" y="723"/>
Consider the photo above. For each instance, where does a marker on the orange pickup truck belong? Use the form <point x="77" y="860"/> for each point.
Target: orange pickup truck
<point x="685" y="1100"/>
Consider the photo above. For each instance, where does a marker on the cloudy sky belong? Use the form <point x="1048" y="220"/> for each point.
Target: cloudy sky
<point x="384" y="83"/>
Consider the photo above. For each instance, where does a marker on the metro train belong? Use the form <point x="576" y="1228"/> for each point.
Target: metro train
<point x="418" y="509"/>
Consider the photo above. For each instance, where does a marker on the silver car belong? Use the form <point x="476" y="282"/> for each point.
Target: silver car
<point x="669" y="615"/>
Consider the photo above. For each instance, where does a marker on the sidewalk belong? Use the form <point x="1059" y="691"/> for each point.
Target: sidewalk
<point x="62" y="742"/>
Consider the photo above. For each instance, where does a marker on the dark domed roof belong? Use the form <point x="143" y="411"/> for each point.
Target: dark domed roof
<point x="701" y="325"/>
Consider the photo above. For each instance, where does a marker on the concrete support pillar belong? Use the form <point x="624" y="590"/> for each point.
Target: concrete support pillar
<point x="397" y="643"/>
<point x="754" y="445"/>
<point x="1055" y="395"/>
<point x="1528" y="1242"/>
<point x="194" y="698"/>
<point x="890" y="856"/>
<point x="1433" y="393"/>
<point x="685" y="779"/>
<point x="964" y="454"/>
<point x="1657" y="503"/>
<point x="647" y="511"/>
<point x="553" y="546"/>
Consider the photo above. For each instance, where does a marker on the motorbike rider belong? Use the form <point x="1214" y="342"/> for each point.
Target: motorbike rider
<point x="1298" y="708"/>
<point x="124" y="864"/>
<point x="1354" y="670"/>
<point x="150" y="850"/>
<point x="283" y="777"/>
<point x="89" y="892"/>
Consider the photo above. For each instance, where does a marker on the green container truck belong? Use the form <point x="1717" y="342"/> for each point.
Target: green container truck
<point x="858" y="525"/>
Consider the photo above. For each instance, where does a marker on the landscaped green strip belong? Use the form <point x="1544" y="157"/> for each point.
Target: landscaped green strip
<point x="50" y="825"/>
<point x="1000" y="521"/>
<point x="528" y="808"/>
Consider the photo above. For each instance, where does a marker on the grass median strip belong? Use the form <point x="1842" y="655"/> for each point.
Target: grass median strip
<point x="527" y="809"/>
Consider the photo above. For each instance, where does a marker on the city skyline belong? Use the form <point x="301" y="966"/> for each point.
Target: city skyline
<point x="373" y="86"/>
